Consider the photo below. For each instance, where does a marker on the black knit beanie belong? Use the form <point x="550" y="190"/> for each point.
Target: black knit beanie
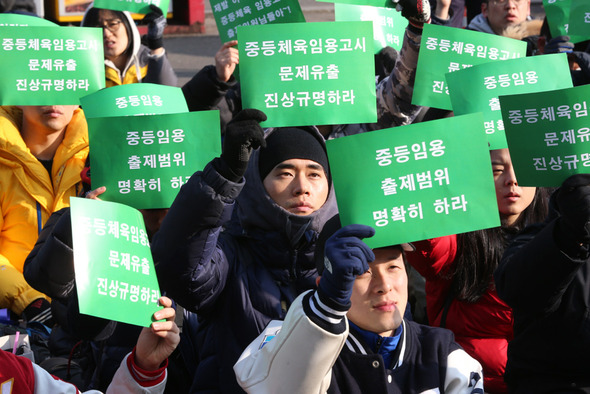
<point x="292" y="143"/>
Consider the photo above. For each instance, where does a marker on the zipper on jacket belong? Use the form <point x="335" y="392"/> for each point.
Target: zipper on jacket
<point x="293" y="269"/>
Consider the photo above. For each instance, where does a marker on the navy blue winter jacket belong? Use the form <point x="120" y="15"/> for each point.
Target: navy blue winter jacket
<point x="229" y="253"/>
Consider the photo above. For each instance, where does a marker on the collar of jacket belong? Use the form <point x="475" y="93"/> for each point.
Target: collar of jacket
<point x="356" y="343"/>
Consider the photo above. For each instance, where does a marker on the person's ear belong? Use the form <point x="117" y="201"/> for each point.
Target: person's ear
<point x="317" y="280"/>
<point x="484" y="9"/>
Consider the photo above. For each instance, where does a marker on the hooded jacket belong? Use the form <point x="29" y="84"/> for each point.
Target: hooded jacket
<point x="152" y="68"/>
<point x="28" y="196"/>
<point x="480" y="23"/>
<point x="239" y="279"/>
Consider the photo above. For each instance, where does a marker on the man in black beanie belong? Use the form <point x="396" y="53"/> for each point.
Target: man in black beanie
<point x="237" y="245"/>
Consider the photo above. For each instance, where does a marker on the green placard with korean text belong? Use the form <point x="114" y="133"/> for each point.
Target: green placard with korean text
<point x="558" y="13"/>
<point x="23" y="20"/>
<point x="447" y="49"/>
<point x="548" y="135"/>
<point x="579" y="19"/>
<point x="229" y="14"/>
<point x="144" y="160"/>
<point x="412" y="182"/>
<point x="388" y="24"/>
<point x="134" y="99"/>
<point x="50" y="65"/>
<point x="314" y="73"/>
<point x="115" y="275"/>
<point x="476" y="89"/>
<point x="134" y="6"/>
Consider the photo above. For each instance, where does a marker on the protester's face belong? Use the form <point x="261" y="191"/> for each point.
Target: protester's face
<point x="114" y="35"/>
<point x="504" y="13"/>
<point x="512" y="199"/>
<point x="380" y="295"/>
<point x="49" y="118"/>
<point x="298" y="185"/>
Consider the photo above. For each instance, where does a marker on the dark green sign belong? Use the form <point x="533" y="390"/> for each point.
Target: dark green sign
<point x="548" y="135"/>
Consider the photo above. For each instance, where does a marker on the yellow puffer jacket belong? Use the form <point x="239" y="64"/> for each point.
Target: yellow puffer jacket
<point x="28" y="197"/>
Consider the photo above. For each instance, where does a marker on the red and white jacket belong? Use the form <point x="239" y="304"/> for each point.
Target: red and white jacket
<point x="18" y="375"/>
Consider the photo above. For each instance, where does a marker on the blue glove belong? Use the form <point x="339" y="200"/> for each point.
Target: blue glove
<point x="560" y="44"/>
<point x="347" y="256"/>
<point x="156" y="23"/>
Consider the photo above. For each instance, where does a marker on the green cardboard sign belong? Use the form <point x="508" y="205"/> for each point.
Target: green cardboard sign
<point x="477" y="88"/>
<point x="558" y="13"/>
<point x="448" y="49"/>
<point x="389" y="25"/>
<point x="314" y="73"/>
<point x="229" y="14"/>
<point x="411" y="182"/>
<point x="548" y="135"/>
<point x="133" y="6"/>
<point x="115" y="275"/>
<point x="23" y="20"/>
<point x="579" y="19"/>
<point x="144" y="160"/>
<point x="134" y="99"/>
<point x="50" y="65"/>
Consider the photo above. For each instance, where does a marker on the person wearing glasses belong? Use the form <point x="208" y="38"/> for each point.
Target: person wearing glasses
<point x="127" y="60"/>
<point x="499" y="15"/>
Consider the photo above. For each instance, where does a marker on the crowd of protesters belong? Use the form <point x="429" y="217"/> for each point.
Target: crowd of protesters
<point x="253" y="244"/>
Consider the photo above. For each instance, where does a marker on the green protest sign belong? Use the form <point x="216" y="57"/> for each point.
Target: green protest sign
<point x="229" y="14"/>
<point x="447" y="49"/>
<point x="134" y="99"/>
<point x="548" y="135"/>
<point x="558" y="12"/>
<point x="579" y="19"/>
<point x="314" y="73"/>
<point x="412" y="182"/>
<point x="144" y="160"/>
<point x="23" y="20"/>
<point x="115" y="275"/>
<point x="134" y="6"/>
<point x="388" y="24"/>
<point x="50" y="65"/>
<point x="476" y="89"/>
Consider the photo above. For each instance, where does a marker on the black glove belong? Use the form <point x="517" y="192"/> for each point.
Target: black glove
<point x="573" y="204"/>
<point x="243" y="134"/>
<point x="347" y="256"/>
<point x="417" y="12"/>
<point x="560" y="44"/>
<point x="156" y="23"/>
